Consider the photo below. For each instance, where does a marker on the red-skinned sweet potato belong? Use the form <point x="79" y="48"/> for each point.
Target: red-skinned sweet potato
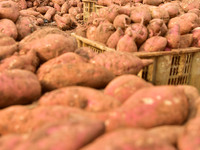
<point x="121" y="21"/>
<point x="86" y="52"/>
<point x="155" y="43"/>
<point x="8" y="46"/>
<point x="157" y="27"/>
<point x="28" y="61"/>
<point x="8" y="27"/>
<point x="120" y="62"/>
<point x="114" y="38"/>
<point x="18" y="87"/>
<point x="127" y="43"/>
<point x="81" y="97"/>
<point x="173" y="37"/>
<point x="186" y="40"/>
<point x="124" y="86"/>
<point x="129" y="139"/>
<point x="68" y="74"/>
<point x="196" y="37"/>
<point x="9" y="10"/>
<point x="48" y="43"/>
<point x="151" y="107"/>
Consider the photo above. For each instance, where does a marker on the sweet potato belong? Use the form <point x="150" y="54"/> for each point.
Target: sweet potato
<point x="190" y="138"/>
<point x="65" y="7"/>
<point x="124" y="86"/>
<point x="61" y="132"/>
<point x="27" y="62"/>
<point x="9" y="10"/>
<point x="121" y="21"/>
<point x="190" y="4"/>
<point x="140" y="13"/>
<point x="29" y="12"/>
<point x="120" y="62"/>
<point x="83" y="74"/>
<point x="63" y="22"/>
<point x="7" y="45"/>
<point x="155" y="43"/>
<point x="126" y="10"/>
<point x="81" y="97"/>
<point x="150" y="107"/>
<point x="50" y="12"/>
<point x="104" y="2"/>
<point x="187" y="22"/>
<point x="114" y="38"/>
<point x="86" y="52"/>
<point x="152" y="2"/>
<point x="25" y="26"/>
<point x="157" y="27"/>
<point x="91" y="32"/>
<point x="196" y="37"/>
<point x="140" y="32"/>
<point x="169" y="134"/>
<point x="48" y="43"/>
<point x="129" y="139"/>
<point x="172" y="9"/>
<point x="192" y="94"/>
<point x="74" y="11"/>
<point x="81" y="30"/>
<point x="159" y="13"/>
<point x="8" y="27"/>
<point x="127" y="43"/>
<point x="173" y="37"/>
<point x="105" y="29"/>
<point x="111" y="13"/>
<point x="18" y="87"/>
<point x="186" y="40"/>
<point x="196" y="11"/>
<point x="27" y="119"/>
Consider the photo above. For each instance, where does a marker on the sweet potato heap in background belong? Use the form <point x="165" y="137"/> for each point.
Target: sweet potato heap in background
<point x="19" y="18"/>
<point x="56" y="96"/>
<point x="144" y="25"/>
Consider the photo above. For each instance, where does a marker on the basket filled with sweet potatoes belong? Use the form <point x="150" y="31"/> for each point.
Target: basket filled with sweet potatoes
<point x="127" y="79"/>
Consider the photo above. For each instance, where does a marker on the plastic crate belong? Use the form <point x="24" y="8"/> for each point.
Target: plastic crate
<point x="176" y="67"/>
<point x="88" y="8"/>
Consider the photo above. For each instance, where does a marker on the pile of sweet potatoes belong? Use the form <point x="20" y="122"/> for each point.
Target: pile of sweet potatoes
<point x="146" y="26"/>
<point x="19" y="18"/>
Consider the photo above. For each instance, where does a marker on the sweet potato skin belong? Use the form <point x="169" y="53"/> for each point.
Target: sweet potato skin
<point x="48" y="43"/>
<point x="18" y="87"/>
<point x="83" y="74"/>
<point x="151" y="107"/>
<point x="128" y="139"/>
<point x="8" y="46"/>
<point x="124" y="86"/>
<point x="8" y="27"/>
<point x="118" y="62"/>
<point x="85" y="98"/>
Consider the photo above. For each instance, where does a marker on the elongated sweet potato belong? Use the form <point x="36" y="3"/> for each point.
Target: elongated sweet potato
<point x="173" y="37"/>
<point x="190" y="138"/>
<point x="48" y="43"/>
<point x="7" y="45"/>
<point x="124" y="86"/>
<point x="120" y="62"/>
<point x="172" y="9"/>
<point x="78" y="132"/>
<point x="129" y="139"/>
<point x="83" y="74"/>
<point x="18" y="87"/>
<point x="28" y="61"/>
<point x="169" y="134"/>
<point x="81" y="97"/>
<point x="155" y="43"/>
<point x="150" y="107"/>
